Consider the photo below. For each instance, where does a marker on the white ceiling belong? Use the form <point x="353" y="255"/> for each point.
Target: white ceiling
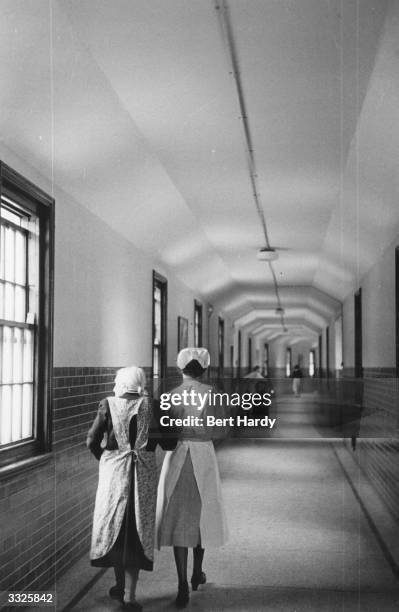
<point x="146" y="117"/>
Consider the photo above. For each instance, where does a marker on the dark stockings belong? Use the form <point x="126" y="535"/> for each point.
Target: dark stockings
<point x="120" y="577"/>
<point x="181" y="554"/>
<point x="198" y="556"/>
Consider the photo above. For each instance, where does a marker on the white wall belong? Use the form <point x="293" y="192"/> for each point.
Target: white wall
<point x="378" y="315"/>
<point x="213" y="337"/>
<point x="103" y="288"/>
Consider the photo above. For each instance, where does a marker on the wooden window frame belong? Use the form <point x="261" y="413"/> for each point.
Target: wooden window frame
<point x="220" y="347"/>
<point x="358" y="334"/>
<point x="249" y="356"/>
<point x="161" y="281"/>
<point x="33" y="200"/>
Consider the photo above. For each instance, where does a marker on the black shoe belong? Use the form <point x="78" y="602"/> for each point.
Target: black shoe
<point x="116" y="592"/>
<point x="197" y="579"/>
<point x="183" y="596"/>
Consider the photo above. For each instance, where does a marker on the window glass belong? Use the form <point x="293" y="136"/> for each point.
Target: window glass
<point x="17" y="345"/>
<point x="26" y="269"/>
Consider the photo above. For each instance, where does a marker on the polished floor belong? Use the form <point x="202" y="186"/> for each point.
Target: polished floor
<point x="306" y="534"/>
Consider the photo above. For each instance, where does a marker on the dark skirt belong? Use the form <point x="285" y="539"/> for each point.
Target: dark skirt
<point x="127" y="550"/>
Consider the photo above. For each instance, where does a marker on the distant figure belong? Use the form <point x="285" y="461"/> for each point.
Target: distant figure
<point x="255" y="373"/>
<point x="296" y="382"/>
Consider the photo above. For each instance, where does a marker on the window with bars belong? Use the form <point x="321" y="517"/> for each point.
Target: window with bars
<point x="26" y="238"/>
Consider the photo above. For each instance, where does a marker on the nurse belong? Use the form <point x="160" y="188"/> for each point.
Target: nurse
<point x="190" y="511"/>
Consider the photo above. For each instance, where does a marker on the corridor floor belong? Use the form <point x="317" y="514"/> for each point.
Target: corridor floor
<point x="299" y="539"/>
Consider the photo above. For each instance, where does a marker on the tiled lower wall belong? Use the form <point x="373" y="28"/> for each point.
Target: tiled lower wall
<point x="48" y="508"/>
<point x="377" y="450"/>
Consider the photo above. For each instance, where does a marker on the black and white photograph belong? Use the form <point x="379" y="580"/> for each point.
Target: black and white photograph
<point x="199" y="305"/>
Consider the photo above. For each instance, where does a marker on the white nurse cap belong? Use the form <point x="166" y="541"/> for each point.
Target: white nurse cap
<point x="188" y="354"/>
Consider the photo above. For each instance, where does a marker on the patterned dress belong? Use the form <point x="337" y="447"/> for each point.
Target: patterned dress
<point x="124" y="513"/>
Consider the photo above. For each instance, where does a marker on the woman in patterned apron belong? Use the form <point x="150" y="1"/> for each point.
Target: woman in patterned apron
<point x="124" y="513"/>
<point x="190" y="511"/>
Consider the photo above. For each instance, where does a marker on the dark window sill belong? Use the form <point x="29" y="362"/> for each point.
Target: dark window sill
<point x="8" y="471"/>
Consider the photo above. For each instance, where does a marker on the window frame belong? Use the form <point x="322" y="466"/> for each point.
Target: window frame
<point x="162" y="283"/>
<point x="358" y="333"/>
<point x="239" y="345"/>
<point x="220" y="347"/>
<point x="249" y="355"/>
<point x="35" y="201"/>
<point x="198" y="329"/>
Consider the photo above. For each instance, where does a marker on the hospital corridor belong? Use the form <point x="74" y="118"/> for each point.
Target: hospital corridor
<point x="199" y="305"/>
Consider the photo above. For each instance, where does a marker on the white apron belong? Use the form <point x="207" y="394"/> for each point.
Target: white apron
<point x="213" y="524"/>
<point x="114" y="482"/>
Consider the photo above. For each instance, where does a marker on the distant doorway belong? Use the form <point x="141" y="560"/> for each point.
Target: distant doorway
<point x="358" y="335"/>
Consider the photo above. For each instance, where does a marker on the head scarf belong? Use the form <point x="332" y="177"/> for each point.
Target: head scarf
<point x="189" y="354"/>
<point x="130" y="380"/>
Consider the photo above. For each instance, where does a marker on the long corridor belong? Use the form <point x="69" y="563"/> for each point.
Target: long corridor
<point x="302" y="536"/>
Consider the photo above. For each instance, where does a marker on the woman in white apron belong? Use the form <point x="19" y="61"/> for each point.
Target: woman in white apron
<point x="124" y="513"/>
<point x="190" y="511"/>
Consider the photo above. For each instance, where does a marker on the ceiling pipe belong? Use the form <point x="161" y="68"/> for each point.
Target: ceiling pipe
<point x="228" y="39"/>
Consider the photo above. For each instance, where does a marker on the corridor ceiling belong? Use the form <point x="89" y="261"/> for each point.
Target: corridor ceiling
<point x="131" y="105"/>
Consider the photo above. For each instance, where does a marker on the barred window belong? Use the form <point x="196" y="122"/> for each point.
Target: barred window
<point x="26" y="238"/>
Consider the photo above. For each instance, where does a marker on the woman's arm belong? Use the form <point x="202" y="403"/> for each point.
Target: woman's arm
<point x="166" y="437"/>
<point x="97" y="430"/>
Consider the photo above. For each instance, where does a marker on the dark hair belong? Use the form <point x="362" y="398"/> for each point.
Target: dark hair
<point x="194" y="369"/>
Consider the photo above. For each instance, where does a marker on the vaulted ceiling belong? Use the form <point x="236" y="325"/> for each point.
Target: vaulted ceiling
<point x="133" y="107"/>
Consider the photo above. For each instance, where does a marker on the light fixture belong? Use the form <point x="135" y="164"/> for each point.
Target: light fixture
<point x="267" y="254"/>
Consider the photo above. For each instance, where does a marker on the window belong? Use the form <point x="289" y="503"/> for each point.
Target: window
<point x="159" y="311"/>
<point x="221" y="346"/>
<point x="26" y="302"/>
<point x="197" y="323"/>
<point x="312" y="359"/>
<point x="288" y="362"/>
